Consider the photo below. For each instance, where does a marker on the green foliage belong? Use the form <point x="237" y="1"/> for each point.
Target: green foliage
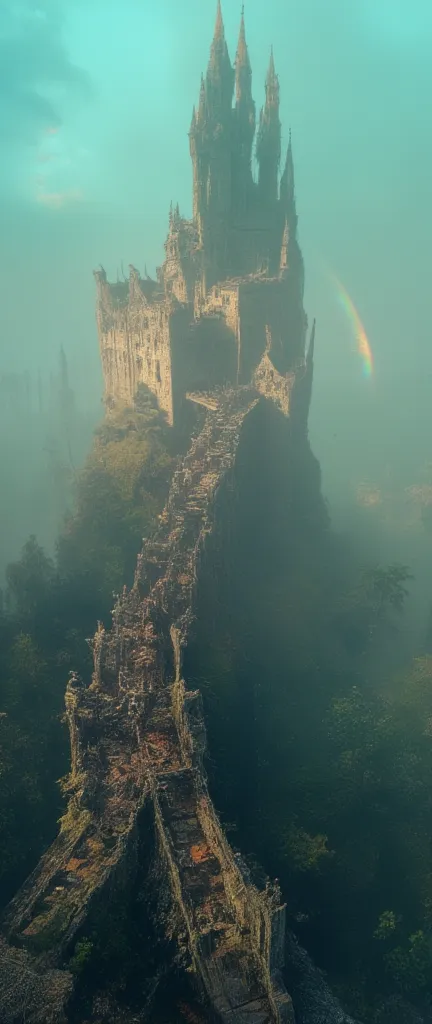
<point x="120" y="491"/>
<point x="82" y="956"/>
<point x="385" y="587"/>
<point x="29" y="579"/>
<point x="305" y="852"/>
<point x="369" y="606"/>
<point x="53" y="607"/>
<point x="387" y="924"/>
<point x="410" y="966"/>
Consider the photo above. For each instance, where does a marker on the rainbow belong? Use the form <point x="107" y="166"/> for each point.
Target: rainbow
<point x="363" y="345"/>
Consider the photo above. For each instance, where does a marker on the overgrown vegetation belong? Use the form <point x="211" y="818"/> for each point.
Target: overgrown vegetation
<point x="320" y="759"/>
<point x="52" y="607"/>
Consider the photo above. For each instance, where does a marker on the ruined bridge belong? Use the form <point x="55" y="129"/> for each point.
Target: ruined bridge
<point x="137" y="736"/>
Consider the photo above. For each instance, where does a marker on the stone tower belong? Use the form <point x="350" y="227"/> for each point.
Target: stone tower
<point x="227" y="305"/>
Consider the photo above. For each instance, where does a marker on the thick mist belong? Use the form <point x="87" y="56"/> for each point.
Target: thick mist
<point x="95" y="105"/>
<point x="299" y="716"/>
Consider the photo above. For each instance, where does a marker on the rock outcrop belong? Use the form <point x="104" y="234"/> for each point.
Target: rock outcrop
<point x="313" y="1001"/>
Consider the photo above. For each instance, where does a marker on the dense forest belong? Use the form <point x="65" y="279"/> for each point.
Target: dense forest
<point x="319" y="725"/>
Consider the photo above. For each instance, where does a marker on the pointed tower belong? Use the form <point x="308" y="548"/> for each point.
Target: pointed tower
<point x="285" y="249"/>
<point x="210" y="146"/>
<point x="197" y="148"/>
<point x="268" y="149"/>
<point x="244" y="124"/>
<point x="243" y="70"/>
<point x="289" y="218"/>
<point x="66" y="396"/>
<point x="220" y="74"/>
<point x="287" y="191"/>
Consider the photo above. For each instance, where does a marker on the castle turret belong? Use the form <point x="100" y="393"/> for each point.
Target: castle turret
<point x="268" y="149"/>
<point x="244" y="123"/>
<point x="287" y="190"/>
<point x="284" y="259"/>
<point x="196" y="150"/>
<point x="210" y="145"/>
<point x="289" y="210"/>
<point x="220" y="75"/>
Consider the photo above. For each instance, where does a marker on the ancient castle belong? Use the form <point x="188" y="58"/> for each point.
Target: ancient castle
<point x="227" y="305"/>
<point x="223" y="326"/>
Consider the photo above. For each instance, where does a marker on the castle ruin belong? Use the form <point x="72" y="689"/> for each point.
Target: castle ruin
<point x="223" y="326"/>
<point x="227" y="305"/>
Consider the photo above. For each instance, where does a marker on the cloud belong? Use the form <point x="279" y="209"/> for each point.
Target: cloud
<point x="37" y="78"/>
<point x="58" y="200"/>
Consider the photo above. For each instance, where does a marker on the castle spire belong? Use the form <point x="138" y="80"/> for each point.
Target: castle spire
<point x="219" y="31"/>
<point x="272" y="84"/>
<point x="268" y="149"/>
<point x="211" y="139"/>
<point x="202" y="102"/>
<point x="311" y="349"/>
<point x="242" y="55"/>
<point x="219" y="51"/>
<point x="287" y="189"/>
<point x="244" y="118"/>
<point x="220" y="74"/>
<point x="288" y="174"/>
<point x="284" y="264"/>
<point x="243" y="71"/>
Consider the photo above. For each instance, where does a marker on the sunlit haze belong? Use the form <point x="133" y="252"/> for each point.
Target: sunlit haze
<point x="95" y="108"/>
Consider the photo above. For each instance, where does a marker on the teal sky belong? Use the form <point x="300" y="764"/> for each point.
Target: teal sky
<point x="95" y="104"/>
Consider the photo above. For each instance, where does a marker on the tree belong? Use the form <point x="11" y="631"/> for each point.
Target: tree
<point x="29" y="579"/>
<point x="369" y="607"/>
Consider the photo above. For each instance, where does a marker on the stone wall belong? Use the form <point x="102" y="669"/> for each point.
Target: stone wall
<point x="181" y="266"/>
<point x="174" y="347"/>
<point x="203" y="354"/>
<point x="135" y="343"/>
<point x="275" y="387"/>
